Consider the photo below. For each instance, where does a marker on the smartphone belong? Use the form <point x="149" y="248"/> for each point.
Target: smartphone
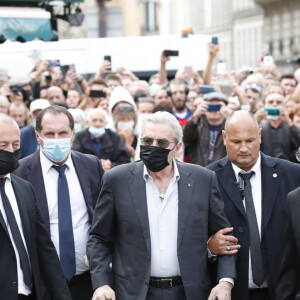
<point x="215" y="40"/>
<point x="107" y="57"/>
<point x="72" y="68"/>
<point x="268" y="60"/>
<point x="64" y="70"/>
<point x="171" y="53"/>
<point x="97" y="94"/>
<point x="272" y="111"/>
<point x="53" y="63"/>
<point x="214" y="107"/>
<point x="205" y="89"/>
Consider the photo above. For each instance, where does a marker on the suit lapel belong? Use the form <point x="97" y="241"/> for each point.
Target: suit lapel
<point x="2" y="222"/>
<point x="137" y="188"/>
<point x="227" y="180"/>
<point x="21" y="201"/>
<point x="270" y="182"/>
<point x="185" y="196"/>
<point x="35" y="177"/>
<point x="83" y="174"/>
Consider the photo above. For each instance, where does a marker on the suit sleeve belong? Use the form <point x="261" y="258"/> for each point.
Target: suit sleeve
<point x="49" y="262"/>
<point x="101" y="239"/>
<point x="217" y="220"/>
<point x="290" y="266"/>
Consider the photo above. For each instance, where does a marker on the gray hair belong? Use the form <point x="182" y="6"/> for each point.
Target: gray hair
<point x="163" y="117"/>
<point x="96" y="110"/>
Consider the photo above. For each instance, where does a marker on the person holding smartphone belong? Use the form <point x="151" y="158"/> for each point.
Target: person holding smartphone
<point x="280" y="137"/>
<point x="203" y="130"/>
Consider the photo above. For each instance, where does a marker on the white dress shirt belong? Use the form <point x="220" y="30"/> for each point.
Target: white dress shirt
<point x="255" y="181"/>
<point x="22" y="287"/>
<point x="163" y="223"/>
<point x="80" y="219"/>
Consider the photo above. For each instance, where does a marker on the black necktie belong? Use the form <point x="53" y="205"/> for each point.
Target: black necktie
<point x="24" y="260"/>
<point x="66" y="236"/>
<point x="256" y="256"/>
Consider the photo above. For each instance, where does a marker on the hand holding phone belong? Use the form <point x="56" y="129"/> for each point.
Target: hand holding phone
<point x="215" y="40"/>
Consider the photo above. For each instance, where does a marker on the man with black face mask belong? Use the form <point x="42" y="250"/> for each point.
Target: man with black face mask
<point x="152" y="222"/>
<point x="28" y="259"/>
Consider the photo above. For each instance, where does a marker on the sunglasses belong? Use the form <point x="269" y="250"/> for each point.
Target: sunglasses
<point x="162" y="143"/>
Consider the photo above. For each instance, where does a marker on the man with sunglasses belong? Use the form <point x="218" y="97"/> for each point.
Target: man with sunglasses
<point x="151" y="225"/>
<point x="280" y="137"/>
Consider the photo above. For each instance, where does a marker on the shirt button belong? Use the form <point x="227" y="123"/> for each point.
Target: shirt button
<point x="14" y="283"/>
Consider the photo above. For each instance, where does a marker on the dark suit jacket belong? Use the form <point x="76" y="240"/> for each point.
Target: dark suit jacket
<point x="113" y="148"/>
<point x="89" y="172"/>
<point x="44" y="261"/>
<point x="288" y="283"/>
<point x="120" y="232"/>
<point x="279" y="177"/>
<point x="29" y="143"/>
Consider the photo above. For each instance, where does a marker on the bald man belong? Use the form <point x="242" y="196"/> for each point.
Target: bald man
<point x="256" y="211"/>
<point x="55" y="95"/>
<point x="28" y="259"/>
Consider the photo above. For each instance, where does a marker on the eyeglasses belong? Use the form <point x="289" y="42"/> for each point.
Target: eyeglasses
<point x="162" y="143"/>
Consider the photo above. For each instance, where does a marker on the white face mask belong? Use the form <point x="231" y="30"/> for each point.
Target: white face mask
<point x="124" y="125"/>
<point x="96" y="132"/>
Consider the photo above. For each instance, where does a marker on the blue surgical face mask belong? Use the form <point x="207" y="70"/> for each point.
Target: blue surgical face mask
<point x="96" y="132"/>
<point x="77" y="127"/>
<point x="56" y="149"/>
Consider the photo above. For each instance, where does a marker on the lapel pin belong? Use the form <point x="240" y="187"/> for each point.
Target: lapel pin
<point x="274" y="175"/>
<point x="189" y="184"/>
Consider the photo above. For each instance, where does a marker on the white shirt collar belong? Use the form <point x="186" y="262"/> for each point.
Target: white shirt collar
<point x="47" y="163"/>
<point x="255" y="168"/>
<point x="175" y="177"/>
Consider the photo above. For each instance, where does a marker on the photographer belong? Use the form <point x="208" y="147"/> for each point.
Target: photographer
<point x="280" y="138"/>
<point x="203" y="131"/>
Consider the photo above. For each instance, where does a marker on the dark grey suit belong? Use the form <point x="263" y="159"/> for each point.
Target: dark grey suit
<point x="120" y="232"/>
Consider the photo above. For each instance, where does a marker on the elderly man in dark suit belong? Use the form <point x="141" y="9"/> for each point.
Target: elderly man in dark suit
<point x="254" y="189"/>
<point x="67" y="185"/>
<point x="28" y="260"/>
<point x="152" y="221"/>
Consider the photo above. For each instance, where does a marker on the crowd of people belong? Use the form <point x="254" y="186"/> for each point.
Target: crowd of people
<point x="112" y="209"/>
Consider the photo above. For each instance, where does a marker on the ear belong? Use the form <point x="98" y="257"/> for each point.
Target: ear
<point x="38" y="138"/>
<point x="73" y="137"/>
<point x="259" y="133"/>
<point x="224" y="137"/>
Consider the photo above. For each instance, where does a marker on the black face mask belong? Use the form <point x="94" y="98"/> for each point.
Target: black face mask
<point x="154" y="158"/>
<point x="9" y="161"/>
